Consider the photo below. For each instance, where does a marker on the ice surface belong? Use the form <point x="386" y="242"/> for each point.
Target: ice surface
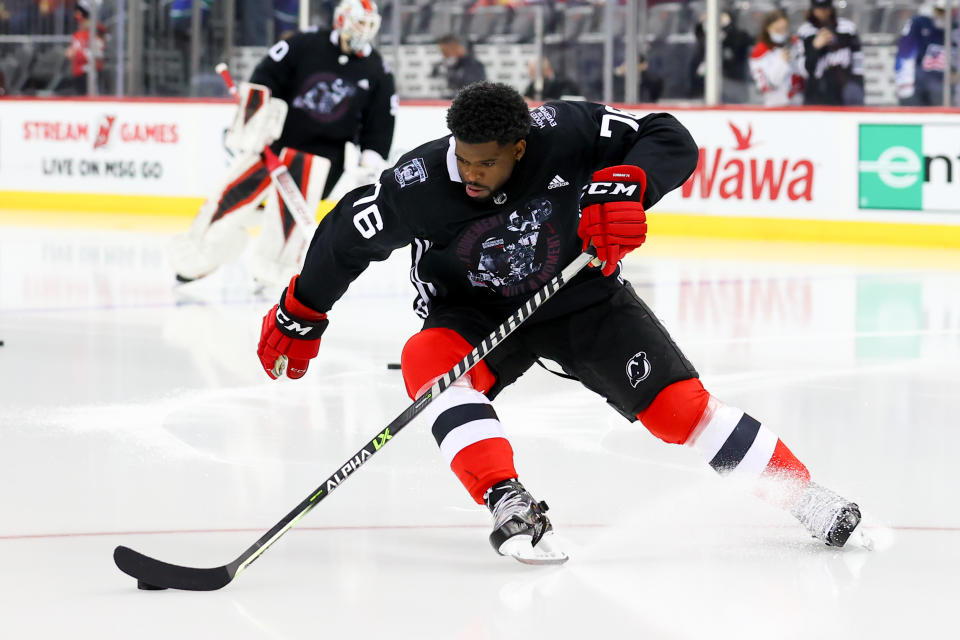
<point x="134" y="414"/>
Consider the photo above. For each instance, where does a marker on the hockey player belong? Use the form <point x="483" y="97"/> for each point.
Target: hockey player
<point x="309" y="96"/>
<point x="832" y="57"/>
<point x="921" y="58"/>
<point x="492" y="213"/>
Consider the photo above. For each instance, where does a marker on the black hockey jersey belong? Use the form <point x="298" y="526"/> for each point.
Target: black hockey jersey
<point x="333" y="97"/>
<point x="493" y="254"/>
<point x="829" y="69"/>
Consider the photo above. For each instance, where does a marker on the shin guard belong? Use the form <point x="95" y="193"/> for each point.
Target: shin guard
<point x="463" y="422"/>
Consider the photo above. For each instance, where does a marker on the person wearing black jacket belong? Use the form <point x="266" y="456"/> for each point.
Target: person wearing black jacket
<point x="735" y="46"/>
<point x="459" y="66"/>
<point x="309" y="96"/>
<point x="832" y="57"/>
<point x="492" y="213"/>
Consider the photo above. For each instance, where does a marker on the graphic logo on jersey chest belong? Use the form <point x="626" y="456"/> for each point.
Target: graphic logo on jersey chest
<point x="638" y="369"/>
<point x="411" y="172"/>
<point x="512" y="254"/>
<point x="325" y="96"/>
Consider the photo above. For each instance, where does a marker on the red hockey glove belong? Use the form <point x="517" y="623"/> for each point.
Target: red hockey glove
<point x="293" y="330"/>
<point x="612" y="215"/>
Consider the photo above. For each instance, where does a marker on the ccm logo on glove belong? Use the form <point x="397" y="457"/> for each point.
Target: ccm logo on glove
<point x="290" y="329"/>
<point x="612" y="188"/>
<point x="612" y="218"/>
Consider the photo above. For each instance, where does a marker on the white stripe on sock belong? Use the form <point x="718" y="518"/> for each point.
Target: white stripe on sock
<point x="468" y="434"/>
<point x="716" y="432"/>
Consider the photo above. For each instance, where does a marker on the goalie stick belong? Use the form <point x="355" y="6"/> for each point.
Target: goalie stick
<point x="282" y="180"/>
<point x="154" y="574"/>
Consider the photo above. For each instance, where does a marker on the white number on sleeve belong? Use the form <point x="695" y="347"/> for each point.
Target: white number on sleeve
<point x="618" y="116"/>
<point x="279" y="50"/>
<point x="368" y="221"/>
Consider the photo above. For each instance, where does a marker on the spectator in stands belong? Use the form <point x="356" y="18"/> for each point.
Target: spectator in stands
<point x="181" y="14"/>
<point x="921" y="59"/>
<point x="735" y="47"/>
<point x="461" y="67"/>
<point x="253" y="20"/>
<point x="80" y="51"/>
<point x="494" y="3"/>
<point x="650" y="83"/>
<point x="774" y="62"/>
<point x="554" y="86"/>
<point x="832" y="57"/>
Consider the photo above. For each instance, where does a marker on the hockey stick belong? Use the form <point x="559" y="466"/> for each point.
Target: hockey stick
<point x="282" y="180"/>
<point x="154" y="574"/>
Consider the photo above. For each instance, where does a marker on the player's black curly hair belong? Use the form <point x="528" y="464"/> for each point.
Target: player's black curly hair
<point x="488" y="111"/>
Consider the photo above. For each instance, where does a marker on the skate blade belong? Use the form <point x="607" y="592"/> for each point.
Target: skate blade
<point x="546" y="552"/>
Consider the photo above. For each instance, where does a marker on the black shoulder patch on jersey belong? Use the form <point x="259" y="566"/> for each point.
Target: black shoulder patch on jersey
<point x="544" y="116"/>
<point x="412" y="171"/>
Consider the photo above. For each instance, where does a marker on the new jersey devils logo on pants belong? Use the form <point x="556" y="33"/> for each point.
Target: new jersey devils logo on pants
<point x="638" y="368"/>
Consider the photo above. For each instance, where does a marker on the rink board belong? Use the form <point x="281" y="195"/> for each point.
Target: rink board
<point x="864" y="176"/>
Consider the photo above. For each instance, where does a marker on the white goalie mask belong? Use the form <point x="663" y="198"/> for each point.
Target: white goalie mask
<point x="358" y="22"/>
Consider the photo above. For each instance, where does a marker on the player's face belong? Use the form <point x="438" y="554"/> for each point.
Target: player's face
<point x="822" y="14"/>
<point x="485" y="167"/>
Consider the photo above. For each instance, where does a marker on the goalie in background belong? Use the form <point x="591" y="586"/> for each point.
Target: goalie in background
<point x="308" y="97"/>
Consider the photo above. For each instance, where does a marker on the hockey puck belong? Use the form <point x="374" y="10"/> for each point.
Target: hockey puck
<point x="1" y="343"/>
<point x="148" y="587"/>
<point x="393" y="366"/>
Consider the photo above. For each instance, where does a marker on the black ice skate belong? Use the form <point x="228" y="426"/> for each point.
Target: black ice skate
<point x="826" y="515"/>
<point x="521" y="528"/>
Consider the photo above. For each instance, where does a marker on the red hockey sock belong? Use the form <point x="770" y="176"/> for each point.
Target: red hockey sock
<point x="783" y="464"/>
<point x="483" y="464"/>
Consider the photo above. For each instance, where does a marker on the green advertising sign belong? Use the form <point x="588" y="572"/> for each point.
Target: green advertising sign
<point x="891" y="166"/>
<point x="910" y="166"/>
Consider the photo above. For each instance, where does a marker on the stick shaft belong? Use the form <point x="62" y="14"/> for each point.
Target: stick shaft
<point x="360" y="457"/>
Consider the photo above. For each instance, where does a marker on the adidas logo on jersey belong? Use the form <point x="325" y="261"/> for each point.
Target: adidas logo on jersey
<point x="557" y="182"/>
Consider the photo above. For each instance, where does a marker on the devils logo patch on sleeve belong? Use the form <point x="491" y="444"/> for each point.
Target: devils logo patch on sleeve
<point x="410" y="172"/>
<point x="638" y="368"/>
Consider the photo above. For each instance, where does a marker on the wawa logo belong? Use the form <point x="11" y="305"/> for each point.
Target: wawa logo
<point x="741" y="173"/>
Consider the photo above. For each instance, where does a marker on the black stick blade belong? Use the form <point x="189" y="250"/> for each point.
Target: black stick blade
<point x="160" y="575"/>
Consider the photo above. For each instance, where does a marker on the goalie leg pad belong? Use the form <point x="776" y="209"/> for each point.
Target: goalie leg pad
<point x="279" y="250"/>
<point x="463" y="422"/>
<point x="218" y="233"/>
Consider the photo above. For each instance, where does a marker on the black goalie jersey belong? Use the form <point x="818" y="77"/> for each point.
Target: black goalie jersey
<point x="492" y="254"/>
<point x="333" y="97"/>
